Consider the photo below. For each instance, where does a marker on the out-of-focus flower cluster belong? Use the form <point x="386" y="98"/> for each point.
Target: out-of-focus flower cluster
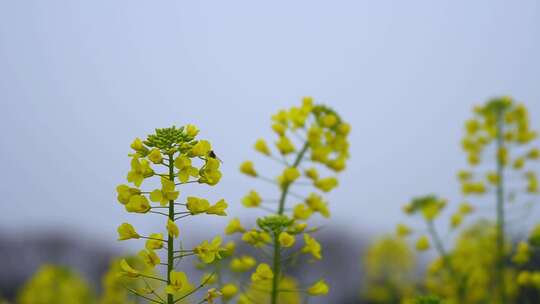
<point x="311" y="147"/>
<point x="499" y="118"/>
<point x="389" y="271"/>
<point x="499" y="146"/>
<point x="56" y="284"/>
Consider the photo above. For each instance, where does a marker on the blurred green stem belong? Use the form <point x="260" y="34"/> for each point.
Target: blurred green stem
<point x="500" y="211"/>
<point x="447" y="261"/>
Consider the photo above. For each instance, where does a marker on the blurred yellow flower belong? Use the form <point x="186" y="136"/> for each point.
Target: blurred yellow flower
<point x="320" y="288"/>
<point x="422" y="244"/>
<point x="179" y="282"/>
<point x="234" y="226"/>
<point x="312" y="246"/>
<point x="262" y="273"/>
<point x="262" y="147"/>
<point x="252" y="199"/>
<point x="286" y="240"/>
<point x="248" y="168"/>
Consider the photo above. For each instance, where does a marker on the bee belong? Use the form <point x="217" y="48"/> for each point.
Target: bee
<point x="212" y="154"/>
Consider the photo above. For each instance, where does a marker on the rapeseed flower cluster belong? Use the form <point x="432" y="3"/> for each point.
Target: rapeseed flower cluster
<point x="389" y="271"/>
<point x="311" y="147"/>
<point x="55" y="284"/>
<point x="174" y="157"/>
<point x="500" y="132"/>
<point x="482" y="257"/>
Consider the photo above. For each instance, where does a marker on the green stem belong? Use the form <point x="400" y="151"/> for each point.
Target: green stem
<point x="277" y="246"/>
<point x="277" y="269"/>
<point x="500" y="212"/>
<point x="446" y="260"/>
<point x="436" y="239"/>
<point x="170" y="240"/>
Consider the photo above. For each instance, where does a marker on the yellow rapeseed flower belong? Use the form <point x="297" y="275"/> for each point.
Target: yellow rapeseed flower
<point x="492" y="178"/>
<point x="137" y="145"/>
<point x="301" y="212"/>
<point x="256" y="238"/>
<point x="312" y="246"/>
<point x="140" y="169"/>
<point x="422" y="244"/>
<point x="312" y="173"/>
<point x="201" y="148"/>
<point x="126" y="232"/>
<point x="329" y="120"/>
<point x="191" y="130"/>
<point x="522" y="254"/>
<point x="326" y="184"/>
<point x="229" y="291"/>
<point x="212" y="294"/>
<point x="252" y="199"/>
<point x="534" y="153"/>
<point x="166" y="194"/>
<point x="197" y="205"/>
<point x="155" y="241"/>
<point x="285" y="146"/>
<point x="208" y="252"/>
<point x="289" y="175"/>
<point x="149" y="257"/>
<point x="403" y="230"/>
<point x="316" y="203"/>
<point x="262" y="273"/>
<point x="248" y="168"/>
<point x="262" y="147"/>
<point x="234" y="226"/>
<point x="286" y="240"/>
<point x="172" y="229"/>
<point x="279" y="128"/>
<point x="127" y="270"/>
<point x="155" y="156"/>
<point x="464" y="176"/>
<point x="319" y="288"/>
<point x="456" y="219"/>
<point x="186" y="170"/>
<point x="209" y="173"/>
<point x="138" y="204"/>
<point x="243" y="263"/>
<point x="465" y="208"/>
<point x="218" y="208"/>
<point x="125" y="193"/>
<point x="519" y="163"/>
<point x="179" y="282"/>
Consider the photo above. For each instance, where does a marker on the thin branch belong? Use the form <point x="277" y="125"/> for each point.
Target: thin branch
<point x="152" y="290"/>
<point x="157" y="212"/>
<point x="184" y="255"/>
<point x="153" y="278"/>
<point x="142" y="296"/>
<point x="188" y="182"/>
<point x="151" y="238"/>
<point x="196" y="289"/>
<point x="181" y="217"/>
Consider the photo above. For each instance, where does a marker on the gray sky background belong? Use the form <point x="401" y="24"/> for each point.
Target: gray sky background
<point x="80" y="79"/>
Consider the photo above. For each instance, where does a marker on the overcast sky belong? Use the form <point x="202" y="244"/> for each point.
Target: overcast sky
<point x="80" y="79"/>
